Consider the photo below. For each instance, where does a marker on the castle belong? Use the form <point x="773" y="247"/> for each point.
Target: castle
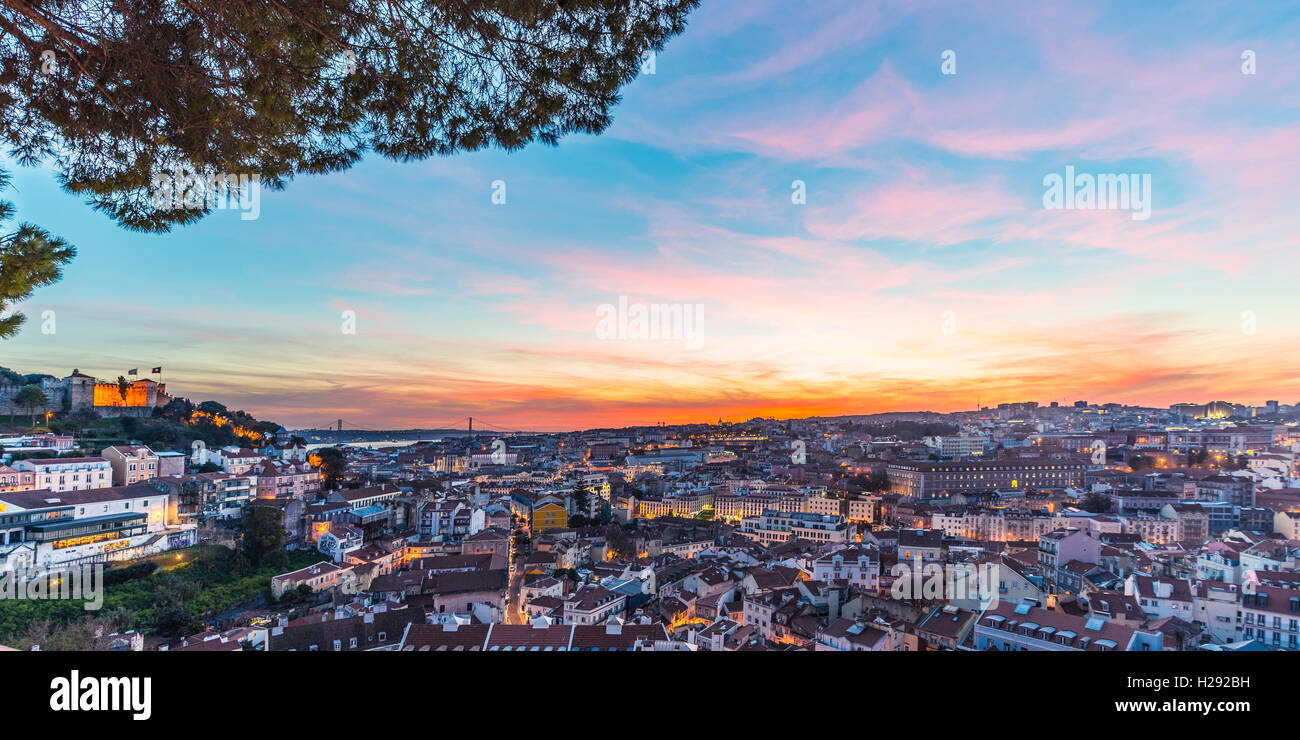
<point x="81" y="392"/>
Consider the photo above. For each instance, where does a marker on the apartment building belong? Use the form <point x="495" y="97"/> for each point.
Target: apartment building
<point x="1026" y="626"/>
<point x="859" y="566"/>
<point x="774" y="526"/>
<point x="62" y="474"/>
<point x="131" y="463"/>
<point x="12" y="479"/>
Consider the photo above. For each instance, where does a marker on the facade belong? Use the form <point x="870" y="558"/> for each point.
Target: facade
<point x="1271" y="615"/>
<point x="199" y="496"/>
<point x="47" y="529"/>
<point x="774" y="526"/>
<point x="957" y="446"/>
<point x="319" y="577"/>
<point x="995" y="525"/>
<point x="61" y="474"/>
<point x="549" y="512"/>
<point x="81" y="392"/>
<point x="940" y="479"/>
<point x="925" y="545"/>
<point x="131" y="463"/>
<point x="858" y="566"/>
<point x="287" y="479"/>
<point x="12" y="479"/>
<point x="593" y="605"/>
<point x="1025" y="626"/>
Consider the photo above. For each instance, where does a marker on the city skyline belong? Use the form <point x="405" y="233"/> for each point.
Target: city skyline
<point x="489" y="426"/>
<point x="921" y="271"/>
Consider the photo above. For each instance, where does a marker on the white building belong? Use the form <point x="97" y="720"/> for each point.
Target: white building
<point x="860" y="566"/>
<point x="61" y="474"/>
<point x="48" y="529"/>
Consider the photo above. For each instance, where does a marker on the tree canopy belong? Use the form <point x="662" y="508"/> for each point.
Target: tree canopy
<point x="29" y="258"/>
<point x="118" y="94"/>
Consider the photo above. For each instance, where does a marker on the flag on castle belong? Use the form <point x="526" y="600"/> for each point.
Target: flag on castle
<point x="156" y="370"/>
<point x="133" y="371"/>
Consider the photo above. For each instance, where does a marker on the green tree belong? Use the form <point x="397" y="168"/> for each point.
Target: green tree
<point x="123" y="385"/>
<point x="30" y="397"/>
<point x="264" y="532"/>
<point x="172" y="603"/>
<point x="29" y="256"/>
<point x="332" y="463"/>
<point x="619" y="542"/>
<point x="582" y="501"/>
<point x="303" y="86"/>
<point x="1141" y="462"/>
<point x="1096" y="503"/>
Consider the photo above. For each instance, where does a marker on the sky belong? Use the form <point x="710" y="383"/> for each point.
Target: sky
<point x="921" y="270"/>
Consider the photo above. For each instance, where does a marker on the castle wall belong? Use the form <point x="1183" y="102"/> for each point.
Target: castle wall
<point x="82" y="393"/>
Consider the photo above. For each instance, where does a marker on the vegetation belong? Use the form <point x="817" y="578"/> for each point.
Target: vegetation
<point x="1096" y="503"/>
<point x="30" y="397"/>
<point x="332" y="463"/>
<point x="264" y="534"/>
<point x="1141" y="462"/>
<point x="873" y="483"/>
<point x="29" y="256"/>
<point x="620" y="542"/>
<point x="140" y="89"/>
<point x="142" y="597"/>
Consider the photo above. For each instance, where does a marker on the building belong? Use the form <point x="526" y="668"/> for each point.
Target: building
<point x="287" y="479"/>
<point x="549" y="512"/>
<point x="593" y="605"/>
<point x="319" y="577"/>
<point x="60" y="474"/>
<point x="199" y="496"/>
<point x="848" y="635"/>
<point x="1270" y="608"/>
<point x="858" y="566"/>
<point x="48" y="529"/>
<point x="961" y="446"/>
<point x="81" y="392"/>
<point x="12" y="479"/>
<point x="940" y="479"/>
<point x="925" y="545"/>
<point x="1017" y="626"/>
<point x="131" y="463"/>
<point x="774" y="526"/>
<point x="231" y="459"/>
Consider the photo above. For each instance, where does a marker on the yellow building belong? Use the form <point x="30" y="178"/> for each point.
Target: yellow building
<point x="549" y="513"/>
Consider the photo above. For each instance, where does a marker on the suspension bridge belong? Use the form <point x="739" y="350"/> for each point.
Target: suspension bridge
<point x="464" y="425"/>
